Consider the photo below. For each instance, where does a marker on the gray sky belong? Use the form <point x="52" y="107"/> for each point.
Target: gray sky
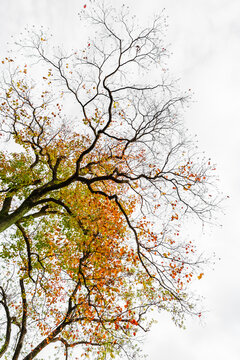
<point x="205" y="41"/>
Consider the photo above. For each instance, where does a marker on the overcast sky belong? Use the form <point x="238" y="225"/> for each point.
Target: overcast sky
<point x="205" y="42"/>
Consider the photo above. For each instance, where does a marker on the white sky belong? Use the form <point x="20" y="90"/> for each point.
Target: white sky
<point x="205" y="38"/>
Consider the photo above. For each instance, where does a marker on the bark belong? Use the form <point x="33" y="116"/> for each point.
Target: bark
<point x="23" y="330"/>
<point x="8" y="328"/>
<point x="7" y="220"/>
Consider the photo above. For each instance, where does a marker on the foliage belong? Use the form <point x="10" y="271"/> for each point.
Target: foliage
<point x="95" y="194"/>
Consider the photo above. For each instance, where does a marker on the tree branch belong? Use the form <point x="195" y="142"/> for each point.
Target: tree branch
<point x="23" y="330"/>
<point x="4" y="347"/>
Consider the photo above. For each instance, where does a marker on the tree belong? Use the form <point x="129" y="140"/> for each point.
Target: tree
<point x="95" y="194"/>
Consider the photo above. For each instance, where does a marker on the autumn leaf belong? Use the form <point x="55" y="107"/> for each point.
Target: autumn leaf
<point x="200" y="276"/>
